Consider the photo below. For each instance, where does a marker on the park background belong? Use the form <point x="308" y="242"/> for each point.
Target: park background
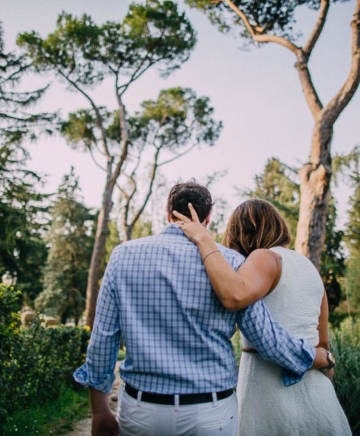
<point x="257" y="95"/>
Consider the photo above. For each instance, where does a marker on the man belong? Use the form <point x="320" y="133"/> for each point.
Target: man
<point x="179" y="370"/>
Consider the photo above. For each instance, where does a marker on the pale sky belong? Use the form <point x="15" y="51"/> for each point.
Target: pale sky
<point x="256" y="93"/>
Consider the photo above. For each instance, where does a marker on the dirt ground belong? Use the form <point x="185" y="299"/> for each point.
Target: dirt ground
<point x="83" y="427"/>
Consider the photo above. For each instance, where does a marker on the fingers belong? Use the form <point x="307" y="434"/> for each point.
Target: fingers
<point x="194" y="215"/>
<point x="181" y="216"/>
<point x="185" y="219"/>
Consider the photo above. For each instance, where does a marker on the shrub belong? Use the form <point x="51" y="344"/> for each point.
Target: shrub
<point x="36" y="361"/>
<point x="345" y="342"/>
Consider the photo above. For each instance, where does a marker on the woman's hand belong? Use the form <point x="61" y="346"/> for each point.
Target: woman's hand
<point x="193" y="229"/>
<point x="329" y="373"/>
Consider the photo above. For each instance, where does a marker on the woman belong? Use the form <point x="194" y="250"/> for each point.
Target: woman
<point x="294" y="293"/>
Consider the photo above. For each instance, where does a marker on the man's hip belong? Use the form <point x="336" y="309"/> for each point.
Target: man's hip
<point x="209" y="418"/>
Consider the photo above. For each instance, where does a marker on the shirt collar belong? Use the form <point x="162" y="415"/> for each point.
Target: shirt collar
<point x="171" y="229"/>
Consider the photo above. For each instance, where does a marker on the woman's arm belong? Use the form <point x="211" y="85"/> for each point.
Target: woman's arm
<point x="323" y="326"/>
<point x="236" y="290"/>
<point x="323" y="329"/>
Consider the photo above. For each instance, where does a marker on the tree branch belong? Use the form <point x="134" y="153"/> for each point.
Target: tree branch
<point x="152" y="179"/>
<point x="178" y="155"/>
<point x="313" y="38"/>
<point x="97" y="113"/>
<point x="261" y="38"/>
<point x="310" y="94"/>
<point x="334" y="108"/>
<point x="125" y="140"/>
<point x="94" y="160"/>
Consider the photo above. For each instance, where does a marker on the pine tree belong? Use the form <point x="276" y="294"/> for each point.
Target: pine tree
<point x="22" y="214"/>
<point x="71" y="242"/>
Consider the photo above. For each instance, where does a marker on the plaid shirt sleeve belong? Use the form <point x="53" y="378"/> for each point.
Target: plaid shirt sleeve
<point x="275" y="343"/>
<point x="98" y="369"/>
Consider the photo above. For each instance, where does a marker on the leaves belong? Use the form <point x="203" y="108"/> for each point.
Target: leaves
<point x="83" y="53"/>
<point x="16" y="122"/>
<point x="265" y="17"/>
<point x="71" y="241"/>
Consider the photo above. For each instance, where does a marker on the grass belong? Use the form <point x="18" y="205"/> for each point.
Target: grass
<point x="53" y="418"/>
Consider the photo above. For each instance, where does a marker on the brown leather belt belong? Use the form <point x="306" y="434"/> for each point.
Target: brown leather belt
<point x="184" y="399"/>
<point x="249" y="350"/>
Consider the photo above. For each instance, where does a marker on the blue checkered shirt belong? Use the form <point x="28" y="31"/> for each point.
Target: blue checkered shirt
<point x="156" y="294"/>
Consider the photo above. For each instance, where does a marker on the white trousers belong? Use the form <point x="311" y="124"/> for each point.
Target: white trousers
<point x="137" y="418"/>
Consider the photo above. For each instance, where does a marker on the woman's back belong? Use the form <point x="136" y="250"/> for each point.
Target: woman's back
<point x="268" y="408"/>
<point x="295" y="301"/>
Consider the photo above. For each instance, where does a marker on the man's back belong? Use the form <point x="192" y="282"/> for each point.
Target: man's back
<point x="177" y="333"/>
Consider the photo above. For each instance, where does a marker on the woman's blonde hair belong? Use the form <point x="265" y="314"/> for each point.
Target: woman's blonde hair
<point x="255" y="224"/>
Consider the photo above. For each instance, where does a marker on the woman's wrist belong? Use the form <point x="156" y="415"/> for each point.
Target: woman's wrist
<point x="205" y="241"/>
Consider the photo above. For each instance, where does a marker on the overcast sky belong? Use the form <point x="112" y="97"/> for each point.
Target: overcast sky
<point x="256" y="93"/>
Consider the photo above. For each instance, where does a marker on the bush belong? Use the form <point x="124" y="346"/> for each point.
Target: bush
<point x="36" y="361"/>
<point x="345" y="342"/>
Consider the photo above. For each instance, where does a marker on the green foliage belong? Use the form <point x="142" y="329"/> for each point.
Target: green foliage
<point x="84" y="53"/>
<point x="23" y="223"/>
<point x="345" y="343"/>
<point x="22" y="251"/>
<point x="353" y="244"/>
<point x="332" y="268"/>
<point x="348" y="166"/>
<point x="270" y="17"/>
<point x="278" y="184"/>
<point x="16" y="122"/>
<point x="36" y="361"/>
<point x="236" y="343"/>
<point x="177" y="118"/>
<point x="70" y="240"/>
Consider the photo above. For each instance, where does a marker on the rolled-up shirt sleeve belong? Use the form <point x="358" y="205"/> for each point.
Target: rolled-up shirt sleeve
<point x="101" y="356"/>
<point x="275" y="343"/>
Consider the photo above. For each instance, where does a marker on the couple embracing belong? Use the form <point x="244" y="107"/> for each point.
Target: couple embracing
<point x="176" y="299"/>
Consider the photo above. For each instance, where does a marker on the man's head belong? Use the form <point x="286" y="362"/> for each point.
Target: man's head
<point x="182" y="194"/>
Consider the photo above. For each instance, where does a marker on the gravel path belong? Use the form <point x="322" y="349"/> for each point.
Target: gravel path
<point x="83" y="427"/>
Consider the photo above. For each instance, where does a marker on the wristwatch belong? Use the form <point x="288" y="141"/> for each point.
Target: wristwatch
<point x="331" y="360"/>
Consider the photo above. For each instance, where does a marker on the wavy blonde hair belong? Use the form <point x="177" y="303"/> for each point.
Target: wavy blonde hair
<point x="255" y="224"/>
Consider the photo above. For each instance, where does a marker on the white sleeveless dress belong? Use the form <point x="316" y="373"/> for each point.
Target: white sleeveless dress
<point x="308" y="408"/>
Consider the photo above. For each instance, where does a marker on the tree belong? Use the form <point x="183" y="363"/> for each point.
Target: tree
<point x="271" y="21"/>
<point x="83" y="54"/>
<point x="16" y="123"/>
<point x="349" y="167"/>
<point x="172" y="126"/>
<point x="71" y="242"/>
<point x="278" y="184"/>
<point x="22" y="214"/>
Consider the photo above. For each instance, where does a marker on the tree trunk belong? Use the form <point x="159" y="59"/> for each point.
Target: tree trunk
<point x="102" y="231"/>
<point x="315" y="176"/>
<point x="128" y="233"/>
<point x="315" y="179"/>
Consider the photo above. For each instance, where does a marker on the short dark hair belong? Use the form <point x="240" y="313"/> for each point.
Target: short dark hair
<point x="256" y="224"/>
<point x="182" y="194"/>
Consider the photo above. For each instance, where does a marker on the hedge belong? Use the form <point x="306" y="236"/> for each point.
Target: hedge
<point x="36" y="362"/>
